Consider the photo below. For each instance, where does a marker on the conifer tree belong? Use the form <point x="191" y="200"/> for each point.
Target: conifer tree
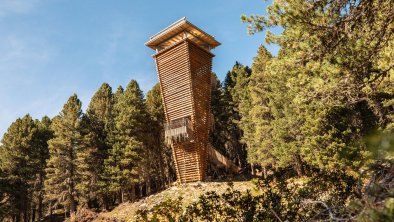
<point x="159" y="156"/>
<point x="231" y="130"/>
<point x="124" y="161"/>
<point x="43" y="135"/>
<point x="18" y="164"/>
<point x="242" y="100"/>
<point x="113" y="114"/>
<point x="236" y="100"/>
<point x="98" y="124"/>
<point x="111" y="173"/>
<point x="62" y="167"/>
<point x="88" y="165"/>
<point x="218" y="109"/>
<point x="257" y="132"/>
<point x="154" y="104"/>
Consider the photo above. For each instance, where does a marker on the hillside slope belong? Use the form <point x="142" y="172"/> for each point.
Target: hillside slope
<point x="188" y="192"/>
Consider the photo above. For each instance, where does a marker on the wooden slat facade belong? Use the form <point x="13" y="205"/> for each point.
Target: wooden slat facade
<point x="184" y="72"/>
<point x="184" y="67"/>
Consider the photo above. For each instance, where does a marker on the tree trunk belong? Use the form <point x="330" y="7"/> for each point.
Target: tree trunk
<point x="161" y="161"/>
<point x="72" y="205"/>
<point x="50" y="211"/>
<point x="133" y="193"/>
<point x="148" y="184"/>
<point x="26" y="215"/>
<point x="33" y="214"/>
<point x="298" y="165"/>
<point x="106" y="202"/>
<point x="39" y="207"/>
<point x="141" y="190"/>
<point x="169" y="175"/>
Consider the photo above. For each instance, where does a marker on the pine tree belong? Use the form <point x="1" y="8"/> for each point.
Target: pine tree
<point x="159" y="156"/>
<point x="242" y="99"/>
<point x="19" y="163"/>
<point x="124" y="161"/>
<point x="62" y="166"/>
<point x="231" y="130"/>
<point x="111" y="173"/>
<point x="88" y="165"/>
<point x="154" y="104"/>
<point x="98" y="125"/>
<point x="43" y="135"/>
<point x="220" y="116"/>
<point x="257" y="131"/>
<point x="236" y="101"/>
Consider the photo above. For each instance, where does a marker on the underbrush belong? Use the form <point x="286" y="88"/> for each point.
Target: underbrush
<point x="282" y="196"/>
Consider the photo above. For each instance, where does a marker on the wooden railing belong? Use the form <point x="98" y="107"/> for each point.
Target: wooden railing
<point x="219" y="159"/>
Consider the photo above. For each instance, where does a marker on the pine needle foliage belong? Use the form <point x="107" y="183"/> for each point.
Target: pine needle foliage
<point x="64" y="166"/>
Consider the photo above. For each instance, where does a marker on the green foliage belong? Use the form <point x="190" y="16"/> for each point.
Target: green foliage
<point x="232" y="205"/>
<point x="66" y="149"/>
<point x="159" y="157"/>
<point x="18" y="149"/>
<point x="124" y="158"/>
<point x="281" y="198"/>
<point x="19" y="162"/>
<point x="154" y="104"/>
<point x="229" y="102"/>
<point x="330" y="85"/>
<point x="218" y="108"/>
<point x="380" y="144"/>
<point x="44" y="134"/>
<point x="385" y="213"/>
<point x="98" y="125"/>
<point x="23" y="156"/>
<point x="321" y="195"/>
<point x="376" y="202"/>
<point x="167" y="210"/>
<point x="258" y="132"/>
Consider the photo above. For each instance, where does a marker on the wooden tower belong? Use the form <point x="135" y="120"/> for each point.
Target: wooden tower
<point x="184" y="63"/>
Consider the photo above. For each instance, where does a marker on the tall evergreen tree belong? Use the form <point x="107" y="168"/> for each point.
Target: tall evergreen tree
<point x="19" y="162"/>
<point x="159" y="155"/>
<point x="236" y="102"/>
<point x="220" y="116"/>
<point x="62" y="167"/>
<point x="257" y="129"/>
<point x="43" y="135"/>
<point x="111" y="172"/>
<point x="98" y="124"/>
<point x="124" y="161"/>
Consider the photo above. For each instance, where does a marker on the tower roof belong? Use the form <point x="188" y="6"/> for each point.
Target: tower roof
<point x="173" y="33"/>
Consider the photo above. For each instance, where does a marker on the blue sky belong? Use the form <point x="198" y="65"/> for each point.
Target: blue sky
<point x="50" y="49"/>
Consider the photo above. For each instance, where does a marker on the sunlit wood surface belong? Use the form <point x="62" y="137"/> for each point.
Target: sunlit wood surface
<point x="184" y="67"/>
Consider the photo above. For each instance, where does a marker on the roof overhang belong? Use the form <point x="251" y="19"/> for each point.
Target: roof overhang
<point x="179" y="27"/>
